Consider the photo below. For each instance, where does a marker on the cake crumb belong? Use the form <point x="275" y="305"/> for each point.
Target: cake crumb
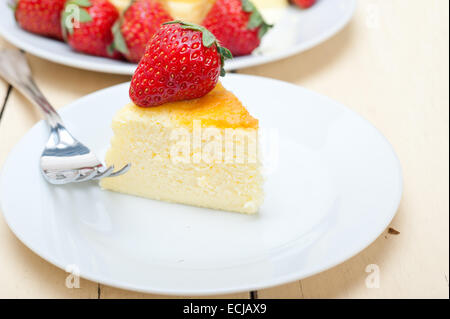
<point x="393" y="231"/>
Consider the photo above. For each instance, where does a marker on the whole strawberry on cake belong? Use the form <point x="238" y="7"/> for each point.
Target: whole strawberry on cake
<point x="188" y="139"/>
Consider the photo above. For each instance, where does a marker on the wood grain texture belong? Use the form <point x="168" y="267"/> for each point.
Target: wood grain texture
<point x="3" y="85"/>
<point x="114" y="293"/>
<point x="390" y="64"/>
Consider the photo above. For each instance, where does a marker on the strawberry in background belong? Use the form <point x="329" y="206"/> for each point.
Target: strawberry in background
<point x="304" y="4"/>
<point x="237" y="24"/>
<point x="93" y="33"/>
<point x="138" y="24"/>
<point x="42" y="17"/>
<point x="182" y="61"/>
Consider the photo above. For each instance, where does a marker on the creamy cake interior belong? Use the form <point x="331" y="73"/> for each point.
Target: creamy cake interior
<point x="202" y="152"/>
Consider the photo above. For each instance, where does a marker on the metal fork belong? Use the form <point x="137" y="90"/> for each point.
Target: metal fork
<point x="64" y="159"/>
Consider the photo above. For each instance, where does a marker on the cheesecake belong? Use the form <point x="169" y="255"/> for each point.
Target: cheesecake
<point x="202" y="152"/>
<point x="188" y="10"/>
<point x="196" y="10"/>
<point x="121" y="5"/>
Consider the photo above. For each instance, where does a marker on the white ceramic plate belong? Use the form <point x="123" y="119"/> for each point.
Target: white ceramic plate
<point x="296" y="31"/>
<point x="333" y="185"/>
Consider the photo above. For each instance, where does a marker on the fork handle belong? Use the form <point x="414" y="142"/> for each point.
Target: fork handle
<point x="15" y="70"/>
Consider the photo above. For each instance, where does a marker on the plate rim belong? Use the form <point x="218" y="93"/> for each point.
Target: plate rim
<point x="270" y="282"/>
<point x="129" y="68"/>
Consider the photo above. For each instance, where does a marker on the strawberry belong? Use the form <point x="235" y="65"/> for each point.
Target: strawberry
<point x="182" y="61"/>
<point x="304" y="4"/>
<point x="87" y="26"/>
<point x="140" y="21"/>
<point x="237" y="24"/>
<point x="40" y="16"/>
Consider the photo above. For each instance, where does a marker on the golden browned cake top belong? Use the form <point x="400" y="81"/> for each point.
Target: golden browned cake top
<point x="219" y="108"/>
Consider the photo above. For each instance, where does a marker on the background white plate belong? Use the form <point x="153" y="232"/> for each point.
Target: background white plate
<point x="333" y="188"/>
<point x="296" y="31"/>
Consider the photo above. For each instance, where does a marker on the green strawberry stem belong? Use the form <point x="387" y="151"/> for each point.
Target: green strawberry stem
<point x="119" y="42"/>
<point x="208" y="40"/>
<point x="83" y="15"/>
<point x="13" y="5"/>
<point x="256" y="19"/>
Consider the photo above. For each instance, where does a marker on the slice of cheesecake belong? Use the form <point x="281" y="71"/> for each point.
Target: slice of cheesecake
<point x="121" y="5"/>
<point x="196" y="10"/>
<point x="188" y="10"/>
<point x="201" y="152"/>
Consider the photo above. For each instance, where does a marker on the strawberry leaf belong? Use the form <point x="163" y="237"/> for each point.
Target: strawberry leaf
<point x="68" y="14"/>
<point x="208" y="38"/>
<point x="81" y="3"/>
<point x="247" y="6"/>
<point x="256" y="20"/>
<point x="224" y="54"/>
<point x="66" y="27"/>
<point x="13" y="5"/>
<point x="84" y="16"/>
<point x="263" y="30"/>
<point x="119" y="42"/>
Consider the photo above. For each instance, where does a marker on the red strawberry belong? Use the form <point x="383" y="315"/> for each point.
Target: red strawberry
<point x="140" y="21"/>
<point x="237" y="24"/>
<point x="93" y="33"/>
<point x="182" y="61"/>
<point x="304" y="4"/>
<point x="40" y="16"/>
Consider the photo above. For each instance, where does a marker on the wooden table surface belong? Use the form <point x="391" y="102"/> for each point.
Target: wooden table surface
<point x="390" y="64"/>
